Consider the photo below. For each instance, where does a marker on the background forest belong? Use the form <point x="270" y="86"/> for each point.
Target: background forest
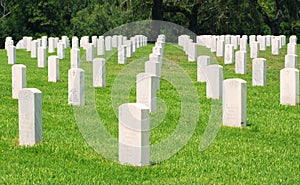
<point x="95" y="17"/>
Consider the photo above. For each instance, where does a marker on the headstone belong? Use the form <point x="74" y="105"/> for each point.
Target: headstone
<point x="89" y="52"/>
<point x="28" y="43"/>
<point x="11" y="55"/>
<point x="75" y="58"/>
<point x="108" y="46"/>
<point x="234" y="102"/>
<point x="99" y="72"/>
<point x="202" y="63"/>
<point x="291" y="61"/>
<point x="220" y="48"/>
<point x="153" y="67"/>
<point x="53" y="69"/>
<point x="240" y="62"/>
<point x="94" y="40"/>
<point x="234" y="41"/>
<point x="292" y="49"/>
<point x="289" y="86"/>
<point x="293" y="39"/>
<point x="259" y="72"/>
<point x="34" y="49"/>
<point x="214" y="83"/>
<point x="51" y="47"/>
<point x="44" y="41"/>
<point x="133" y="44"/>
<point x="30" y="116"/>
<point x="18" y="79"/>
<point x="76" y="86"/>
<point x="134" y="134"/>
<point x="268" y="40"/>
<point x="229" y="54"/>
<point x="128" y="49"/>
<point x="275" y="46"/>
<point x="192" y="53"/>
<point x="262" y="43"/>
<point x="100" y="46"/>
<point x="42" y="57"/>
<point x="243" y="44"/>
<point x="75" y="43"/>
<point x="122" y="54"/>
<point x="213" y="47"/>
<point x="252" y="38"/>
<point x="61" y="50"/>
<point x="146" y="87"/>
<point x="254" y="50"/>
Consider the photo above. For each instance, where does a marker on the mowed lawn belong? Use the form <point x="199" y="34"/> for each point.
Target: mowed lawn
<point x="265" y="152"/>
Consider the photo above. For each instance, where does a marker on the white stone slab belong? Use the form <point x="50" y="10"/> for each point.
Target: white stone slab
<point x="61" y="50"/>
<point x="30" y="116"/>
<point x="18" y="79"/>
<point x="89" y="52"/>
<point x="229" y="54"/>
<point x="108" y="43"/>
<point x="100" y="46"/>
<point x="289" y="86"/>
<point x="259" y="72"/>
<point x="146" y="87"/>
<point x="240" y="62"/>
<point x="34" y="49"/>
<point x="254" y="52"/>
<point x="11" y="54"/>
<point x="134" y="134"/>
<point x="220" y="48"/>
<point x="291" y="49"/>
<point x="202" y="62"/>
<point x="291" y="61"/>
<point x="42" y="57"/>
<point x="234" y="102"/>
<point x="275" y="46"/>
<point x="53" y="69"/>
<point x="51" y="46"/>
<point x="243" y="44"/>
<point x="122" y="54"/>
<point x="99" y="72"/>
<point x="76" y="86"/>
<point x="75" y="42"/>
<point x="214" y="82"/>
<point x="75" y="58"/>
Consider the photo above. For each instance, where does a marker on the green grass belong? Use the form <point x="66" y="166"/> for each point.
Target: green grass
<point x="265" y="152"/>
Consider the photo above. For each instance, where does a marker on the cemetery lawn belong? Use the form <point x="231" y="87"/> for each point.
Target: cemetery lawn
<point x="265" y="152"/>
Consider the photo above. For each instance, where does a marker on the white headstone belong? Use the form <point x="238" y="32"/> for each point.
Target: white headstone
<point x="213" y="46"/>
<point x="289" y="86"/>
<point x="202" y="63"/>
<point x="30" y="116"/>
<point x="192" y="53"/>
<point x="75" y="43"/>
<point x="254" y="52"/>
<point x="53" y="69"/>
<point x="42" y="57"/>
<point x="99" y="72"/>
<point x="214" y="83"/>
<point x="234" y="102"/>
<point x="44" y="41"/>
<point x="108" y="43"/>
<point x="275" y="46"/>
<point x="220" y="48"/>
<point x="259" y="72"/>
<point x="75" y="58"/>
<point x="11" y="54"/>
<point x="291" y="61"/>
<point x="76" y="86"/>
<point x="18" y="79"/>
<point x="243" y="44"/>
<point x="61" y="50"/>
<point x="28" y="43"/>
<point x="229" y="54"/>
<point x="128" y="49"/>
<point x="122" y="54"/>
<point x="293" y="39"/>
<point x="292" y="49"/>
<point x="89" y="52"/>
<point x="146" y="87"/>
<point x="240" y="62"/>
<point x="34" y="49"/>
<point x="100" y="46"/>
<point x="134" y="134"/>
<point x="51" y="46"/>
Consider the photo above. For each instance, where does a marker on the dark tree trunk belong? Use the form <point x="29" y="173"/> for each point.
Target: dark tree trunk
<point x="157" y="16"/>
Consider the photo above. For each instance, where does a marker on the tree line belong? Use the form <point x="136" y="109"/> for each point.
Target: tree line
<point x="36" y="18"/>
